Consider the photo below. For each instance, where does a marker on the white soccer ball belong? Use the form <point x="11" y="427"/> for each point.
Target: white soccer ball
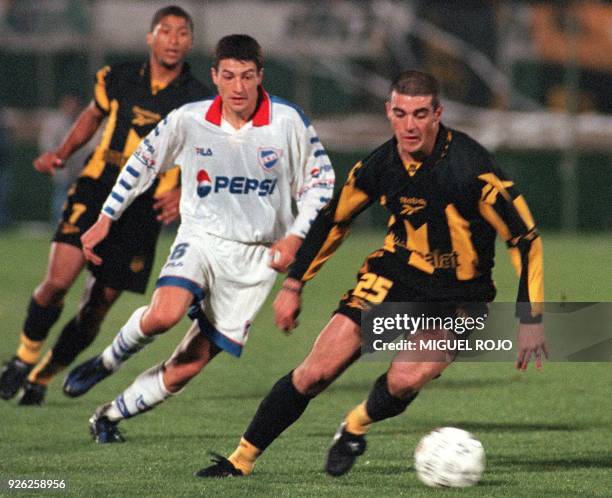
<point x="449" y="457"/>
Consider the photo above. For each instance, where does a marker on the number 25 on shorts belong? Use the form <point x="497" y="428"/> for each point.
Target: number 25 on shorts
<point x="372" y="288"/>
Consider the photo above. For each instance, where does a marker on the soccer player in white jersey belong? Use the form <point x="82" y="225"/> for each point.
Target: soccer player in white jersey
<point x="245" y="157"/>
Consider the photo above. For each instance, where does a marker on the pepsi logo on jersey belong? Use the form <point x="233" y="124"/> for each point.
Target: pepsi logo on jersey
<point x="316" y="171"/>
<point x="204" y="183"/>
<point x="233" y="185"/>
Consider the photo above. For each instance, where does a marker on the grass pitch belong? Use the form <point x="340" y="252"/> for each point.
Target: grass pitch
<point x="545" y="433"/>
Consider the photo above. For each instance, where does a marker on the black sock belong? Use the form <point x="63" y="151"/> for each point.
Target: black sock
<point x="39" y="320"/>
<point x="71" y="342"/>
<point x="382" y="404"/>
<point x="283" y="405"/>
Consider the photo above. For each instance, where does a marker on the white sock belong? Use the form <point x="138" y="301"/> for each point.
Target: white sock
<point x="128" y="341"/>
<point x="147" y="391"/>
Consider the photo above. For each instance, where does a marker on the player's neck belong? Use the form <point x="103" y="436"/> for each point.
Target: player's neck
<point x="164" y="74"/>
<point x="414" y="157"/>
<point x="237" y="119"/>
<point x="417" y="156"/>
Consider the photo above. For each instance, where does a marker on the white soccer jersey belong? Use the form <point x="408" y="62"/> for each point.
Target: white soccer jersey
<point x="236" y="184"/>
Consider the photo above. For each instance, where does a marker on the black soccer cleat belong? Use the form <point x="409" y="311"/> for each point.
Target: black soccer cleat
<point x="222" y="468"/>
<point x="345" y="449"/>
<point x="14" y="374"/>
<point x="83" y="377"/>
<point x="102" y="429"/>
<point x="33" y="394"/>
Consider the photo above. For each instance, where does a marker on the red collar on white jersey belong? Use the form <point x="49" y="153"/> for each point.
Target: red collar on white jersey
<point x="261" y="117"/>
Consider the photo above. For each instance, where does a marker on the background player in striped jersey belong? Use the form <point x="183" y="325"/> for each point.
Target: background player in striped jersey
<point x="132" y="98"/>
<point x="447" y="200"/>
<point x="245" y="158"/>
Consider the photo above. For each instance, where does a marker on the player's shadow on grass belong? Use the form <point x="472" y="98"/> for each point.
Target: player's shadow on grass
<point x="212" y="441"/>
<point x="364" y="387"/>
<point x="392" y="470"/>
<point x="454" y="384"/>
<point x="596" y="460"/>
<point x="515" y="426"/>
<point x="476" y="427"/>
<point x="233" y="396"/>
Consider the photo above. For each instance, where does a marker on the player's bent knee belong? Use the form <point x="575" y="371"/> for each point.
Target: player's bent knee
<point x="51" y="291"/>
<point x="402" y="381"/>
<point x="56" y="285"/>
<point x="311" y="380"/>
<point x="159" y="319"/>
<point x="103" y="301"/>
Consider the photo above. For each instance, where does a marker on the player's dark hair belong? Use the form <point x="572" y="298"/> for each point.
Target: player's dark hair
<point x="239" y="47"/>
<point x="415" y="83"/>
<point x="171" y="10"/>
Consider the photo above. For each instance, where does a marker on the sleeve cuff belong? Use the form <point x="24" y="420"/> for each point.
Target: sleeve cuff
<point x="523" y="312"/>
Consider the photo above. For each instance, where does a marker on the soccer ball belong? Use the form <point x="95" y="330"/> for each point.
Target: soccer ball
<point x="449" y="457"/>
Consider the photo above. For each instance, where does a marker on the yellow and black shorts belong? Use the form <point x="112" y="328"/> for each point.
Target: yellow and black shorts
<point x="385" y="277"/>
<point x="129" y="250"/>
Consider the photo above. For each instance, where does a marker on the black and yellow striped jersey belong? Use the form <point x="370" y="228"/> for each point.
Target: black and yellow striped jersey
<point x="133" y="105"/>
<point x="444" y="216"/>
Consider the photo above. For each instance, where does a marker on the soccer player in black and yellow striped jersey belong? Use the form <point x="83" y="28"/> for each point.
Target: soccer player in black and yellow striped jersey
<point x="130" y="98"/>
<point x="447" y="201"/>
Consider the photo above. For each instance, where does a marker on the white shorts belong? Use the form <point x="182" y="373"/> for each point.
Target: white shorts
<point x="229" y="280"/>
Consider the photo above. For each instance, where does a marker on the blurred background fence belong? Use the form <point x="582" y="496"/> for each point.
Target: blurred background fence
<point x="531" y="80"/>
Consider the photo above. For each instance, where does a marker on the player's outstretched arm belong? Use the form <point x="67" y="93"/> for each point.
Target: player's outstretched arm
<point x="287" y="305"/>
<point x="507" y="212"/>
<point x="82" y="130"/>
<point x="155" y="154"/>
<point x="92" y="237"/>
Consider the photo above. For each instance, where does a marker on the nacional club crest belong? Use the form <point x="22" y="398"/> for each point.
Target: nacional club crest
<point x="204" y="183"/>
<point x="268" y="157"/>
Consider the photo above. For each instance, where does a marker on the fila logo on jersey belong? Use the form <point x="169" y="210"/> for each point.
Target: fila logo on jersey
<point x="234" y="185"/>
<point x="268" y="157"/>
<point x="205" y="152"/>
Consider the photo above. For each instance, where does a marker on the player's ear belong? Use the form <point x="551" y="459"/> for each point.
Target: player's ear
<point x="438" y="112"/>
<point x="214" y="75"/>
<point x="192" y="38"/>
<point x="149" y="39"/>
<point x="388" y="110"/>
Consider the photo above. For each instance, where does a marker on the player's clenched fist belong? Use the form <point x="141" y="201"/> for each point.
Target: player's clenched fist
<point x="287" y="305"/>
<point x="48" y="162"/>
<point x="282" y="252"/>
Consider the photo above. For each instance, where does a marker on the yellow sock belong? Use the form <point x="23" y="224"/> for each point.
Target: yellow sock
<point x="244" y="456"/>
<point x="357" y="421"/>
<point x="29" y="350"/>
<point x="44" y="372"/>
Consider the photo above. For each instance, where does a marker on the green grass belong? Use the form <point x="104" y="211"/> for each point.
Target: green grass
<point x="545" y="433"/>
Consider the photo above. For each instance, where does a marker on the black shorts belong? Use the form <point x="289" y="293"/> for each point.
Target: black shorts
<point x="385" y="277"/>
<point x="129" y="250"/>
